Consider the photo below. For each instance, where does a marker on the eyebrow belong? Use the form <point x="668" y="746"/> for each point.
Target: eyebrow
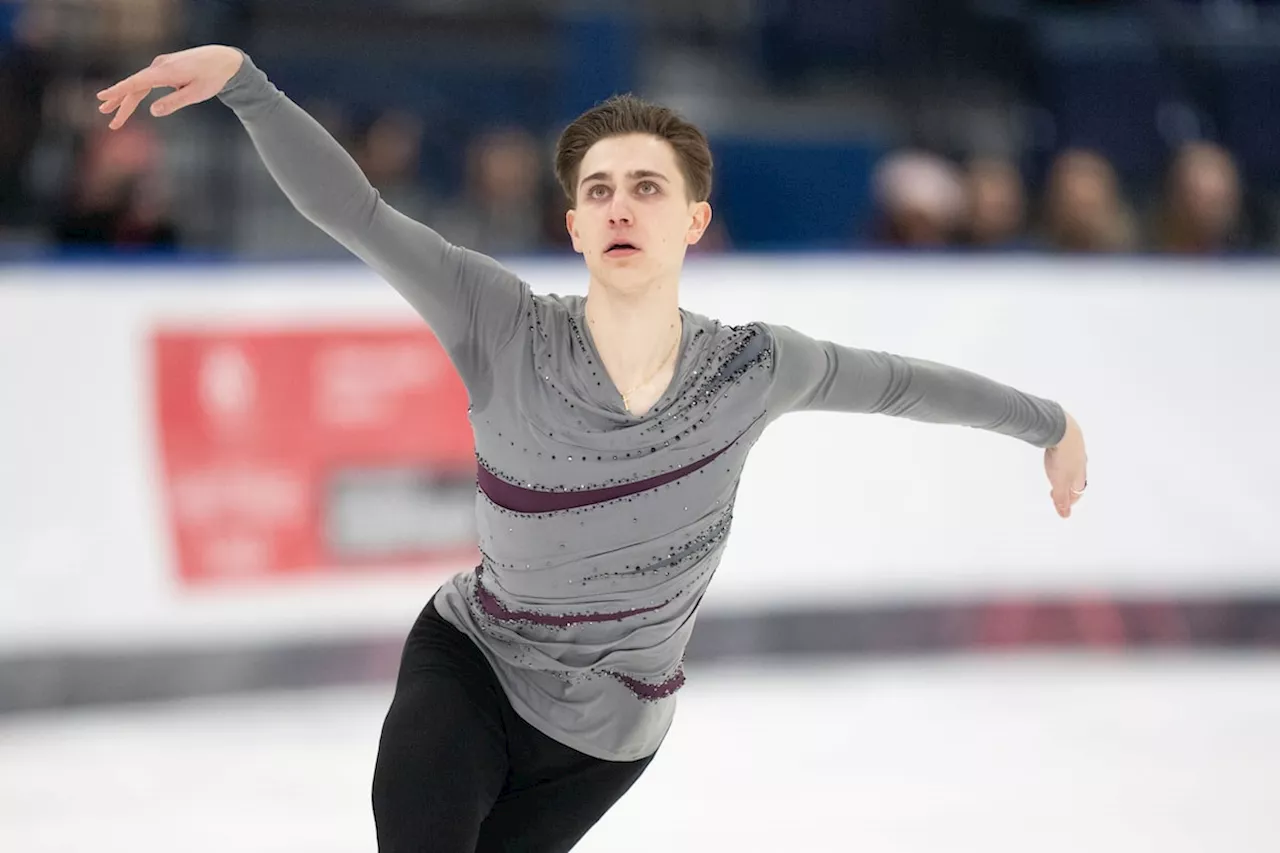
<point x="633" y="175"/>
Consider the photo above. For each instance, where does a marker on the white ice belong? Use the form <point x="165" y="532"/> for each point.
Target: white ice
<point x="1045" y="754"/>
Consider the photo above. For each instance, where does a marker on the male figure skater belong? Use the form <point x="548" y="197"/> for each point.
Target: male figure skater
<point x="610" y="435"/>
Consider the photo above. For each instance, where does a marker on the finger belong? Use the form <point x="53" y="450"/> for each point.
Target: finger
<point x="1061" y="496"/>
<point x="173" y="102"/>
<point x="127" y="105"/>
<point x="144" y="81"/>
<point x="1079" y="484"/>
<point x="110" y="106"/>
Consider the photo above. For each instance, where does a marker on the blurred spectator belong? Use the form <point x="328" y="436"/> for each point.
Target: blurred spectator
<point x="1083" y="207"/>
<point x="502" y="207"/>
<point x="1202" y="207"/>
<point x="996" y="204"/>
<point x="117" y="197"/>
<point x="920" y="200"/>
<point x="389" y="152"/>
<point x="26" y="69"/>
<point x="137" y="25"/>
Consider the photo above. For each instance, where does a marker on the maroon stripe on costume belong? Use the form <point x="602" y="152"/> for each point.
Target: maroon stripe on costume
<point x="652" y="691"/>
<point x="497" y="610"/>
<point x="519" y="499"/>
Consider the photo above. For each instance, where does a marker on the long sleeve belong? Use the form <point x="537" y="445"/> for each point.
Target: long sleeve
<point x="818" y="375"/>
<point x="472" y="304"/>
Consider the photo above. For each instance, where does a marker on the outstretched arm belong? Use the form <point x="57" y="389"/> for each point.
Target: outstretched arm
<point x="472" y="303"/>
<point x="818" y="375"/>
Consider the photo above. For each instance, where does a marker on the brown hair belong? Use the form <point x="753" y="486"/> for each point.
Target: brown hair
<point x="626" y="114"/>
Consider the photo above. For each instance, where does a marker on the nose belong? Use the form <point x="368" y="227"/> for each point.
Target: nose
<point x="619" y="211"/>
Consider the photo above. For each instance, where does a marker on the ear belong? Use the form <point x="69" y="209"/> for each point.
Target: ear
<point x="569" y="217"/>
<point x="701" y="219"/>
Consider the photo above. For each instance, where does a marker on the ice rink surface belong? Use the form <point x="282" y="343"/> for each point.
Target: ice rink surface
<point x="1042" y="753"/>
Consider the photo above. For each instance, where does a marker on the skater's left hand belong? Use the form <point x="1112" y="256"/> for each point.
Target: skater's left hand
<point x="1065" y="464"/>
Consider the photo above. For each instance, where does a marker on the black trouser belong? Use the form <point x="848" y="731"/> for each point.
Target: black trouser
<point x="458" y="771"/>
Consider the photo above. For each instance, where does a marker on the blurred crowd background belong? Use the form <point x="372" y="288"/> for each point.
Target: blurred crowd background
<point x="978" y="125"/>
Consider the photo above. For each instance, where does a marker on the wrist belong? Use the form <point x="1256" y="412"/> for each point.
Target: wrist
<point x="1070" y="432"/>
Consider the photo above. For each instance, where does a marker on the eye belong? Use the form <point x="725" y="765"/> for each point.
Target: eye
<point x="591" y="191"/>
<point x="645" y="186"/>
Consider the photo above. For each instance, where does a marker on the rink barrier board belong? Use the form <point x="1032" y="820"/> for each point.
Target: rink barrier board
<point x="1168" y="366"/>
<point x="1057" y="626"/>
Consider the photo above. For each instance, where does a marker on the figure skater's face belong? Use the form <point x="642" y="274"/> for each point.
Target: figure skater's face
<point x="633" y="220"/>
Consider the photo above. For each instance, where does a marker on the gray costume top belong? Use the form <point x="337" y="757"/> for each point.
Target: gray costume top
<point x="599" y="530"/>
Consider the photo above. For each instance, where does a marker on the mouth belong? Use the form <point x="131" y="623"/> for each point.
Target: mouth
<point x="621" y="249"/>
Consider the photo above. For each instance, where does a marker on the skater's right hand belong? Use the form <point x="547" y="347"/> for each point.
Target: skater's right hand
<point x="197" y="74"/>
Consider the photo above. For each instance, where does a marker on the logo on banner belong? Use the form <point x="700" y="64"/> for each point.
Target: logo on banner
<point x="227" y="387"/>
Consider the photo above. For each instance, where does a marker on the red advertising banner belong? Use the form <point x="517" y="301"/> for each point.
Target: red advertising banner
<point x="311" y="451"/>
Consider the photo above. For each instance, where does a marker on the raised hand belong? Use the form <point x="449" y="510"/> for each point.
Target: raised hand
<point x="196" y="74"/>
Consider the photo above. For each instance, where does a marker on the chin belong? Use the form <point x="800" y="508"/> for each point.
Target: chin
<point x="629" y="275"/>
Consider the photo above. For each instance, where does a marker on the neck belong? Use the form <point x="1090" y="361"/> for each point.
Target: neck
<point x="634" y="332"/>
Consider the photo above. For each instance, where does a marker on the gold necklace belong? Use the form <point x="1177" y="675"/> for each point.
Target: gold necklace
<point x="626" y="395"/>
